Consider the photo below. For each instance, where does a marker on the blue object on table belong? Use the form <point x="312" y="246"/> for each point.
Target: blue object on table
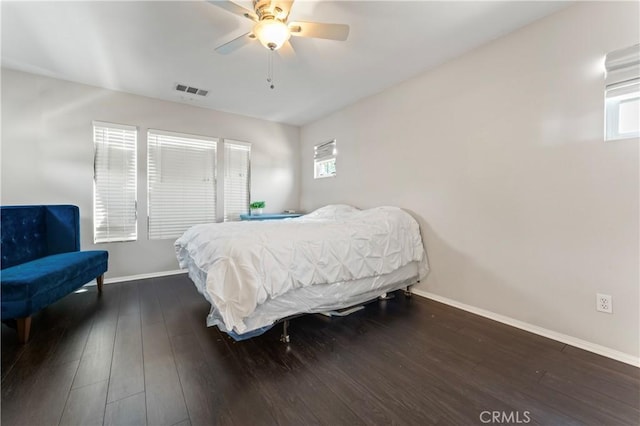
<point x="42" y="261"/>
<point x="269" y="216"/>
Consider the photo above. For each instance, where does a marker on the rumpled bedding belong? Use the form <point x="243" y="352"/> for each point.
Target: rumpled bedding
<point x="248" y="263"/>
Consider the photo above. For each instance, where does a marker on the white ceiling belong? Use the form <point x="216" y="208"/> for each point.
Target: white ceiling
<point x="146" y="48"/>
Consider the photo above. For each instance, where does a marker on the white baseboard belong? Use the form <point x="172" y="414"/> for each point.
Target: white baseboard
<point x="139" y="277"/>
<point x="569" y="340"/>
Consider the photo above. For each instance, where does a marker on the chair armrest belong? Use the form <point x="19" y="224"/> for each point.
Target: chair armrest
<point x="63" y="228"/>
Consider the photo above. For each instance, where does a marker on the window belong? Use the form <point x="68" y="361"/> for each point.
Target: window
<point x="324" y="159"/>
<point x="623" y="111"/>
<point x="181" y="182"/>
<point x="622" y="94"/>
<point x="237" y="157"/>
<point x="114" y="183"/>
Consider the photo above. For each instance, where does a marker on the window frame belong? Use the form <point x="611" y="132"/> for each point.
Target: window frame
<point x="154" y="133"/>
<point x="133" y="235"/>
<point x="612" y="112"/>
<point x="320" y="158"/>
<point x="225" y="160"/>
<point x="622" y="84"/>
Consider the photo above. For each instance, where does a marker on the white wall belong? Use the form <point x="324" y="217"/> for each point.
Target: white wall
<point x="47" y="154"/>
<point x="525" y="210"/>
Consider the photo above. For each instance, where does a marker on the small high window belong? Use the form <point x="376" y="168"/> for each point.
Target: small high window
<point x="324" y="159"/>
<point x="622" y="94"/>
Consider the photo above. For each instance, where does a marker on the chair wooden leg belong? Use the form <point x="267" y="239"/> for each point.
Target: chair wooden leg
<point x="100" y="281"/>
<point x="24" y="327"/>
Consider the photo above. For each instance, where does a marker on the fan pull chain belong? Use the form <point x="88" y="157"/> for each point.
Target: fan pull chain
<point x="270" y="71"/>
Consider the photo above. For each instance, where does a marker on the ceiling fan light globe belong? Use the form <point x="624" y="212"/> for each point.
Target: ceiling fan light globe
<point x="272" y="33"/>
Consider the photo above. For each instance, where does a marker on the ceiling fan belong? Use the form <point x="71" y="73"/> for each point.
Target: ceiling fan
<point x="272" y="27"/>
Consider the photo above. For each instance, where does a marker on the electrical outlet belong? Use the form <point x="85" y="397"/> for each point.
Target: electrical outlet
<point x="604" y="303"/>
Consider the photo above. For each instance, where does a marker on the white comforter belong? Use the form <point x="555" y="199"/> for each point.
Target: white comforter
<point x="246" y="263"/>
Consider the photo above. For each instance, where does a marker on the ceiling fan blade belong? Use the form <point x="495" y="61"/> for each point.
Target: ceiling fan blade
<point x="236" y="43"/>
<point x="234" y="8"/>
<point x="317" y="30"/>
<point x="287" y="52"/>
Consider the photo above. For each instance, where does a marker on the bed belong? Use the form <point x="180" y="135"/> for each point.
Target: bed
<point x="255" y="274"/>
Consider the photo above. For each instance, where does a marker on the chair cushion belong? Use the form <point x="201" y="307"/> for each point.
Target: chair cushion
<point x="28" y="287"/>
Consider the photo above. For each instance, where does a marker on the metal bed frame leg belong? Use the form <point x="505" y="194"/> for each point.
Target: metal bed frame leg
<point x="407" y="290"/>
<point x="285" y="332"/>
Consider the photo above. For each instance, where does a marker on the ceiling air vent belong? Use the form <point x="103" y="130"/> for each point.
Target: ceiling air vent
<point x="192" y="90"/>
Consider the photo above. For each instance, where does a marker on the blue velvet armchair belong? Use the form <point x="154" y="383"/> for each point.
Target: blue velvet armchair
<point x="42" y="261"/>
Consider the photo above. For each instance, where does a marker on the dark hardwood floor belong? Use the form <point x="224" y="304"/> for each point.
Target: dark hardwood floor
<point x="141" y="354"/>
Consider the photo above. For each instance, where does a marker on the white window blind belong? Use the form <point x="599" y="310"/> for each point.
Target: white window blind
<point x="181" y="182"/>
<point x="324" y="159"/>
<point x="622" y="94"/>
<point x="237" y="162"/>
<point x="114" y="183"/>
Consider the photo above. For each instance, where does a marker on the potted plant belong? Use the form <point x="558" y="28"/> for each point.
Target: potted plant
<point x="256" y="207"/>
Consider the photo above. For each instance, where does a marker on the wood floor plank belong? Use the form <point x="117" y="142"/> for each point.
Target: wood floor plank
<point x="72" y="345"/>
<point x="43" y="402"/>
<point x="471" y="344"/>
<point x="455" y="396"/>
<point x="129" y="299"/>
<point x="596" y="378"/>
<point x="239" y="389"/>
<point x="478" y="392"/>
<point x="204" y="392"/>
<point x="127" y="369"/>
<point x="570" y="406"/>
<point x="430" y="346"/>
<point x="347" y="389"/>
<point x="32" y="372"/>
<point x="320" y="399"/>
<point x="436" y="344"/>
<point x="517" y="393"/>
<point x="11" y="349"/>
<point x="95" y="363"/>
<point x="231" y="375"/>
<point x="502" y="359"/>
<point x="48" y="328"/>
<point x="30" y="363"/>
<point x="398" y="394"/>
<point x="617" y="412"/>
<point x="165" y="401"/>
<point x="85" y="406"/>
<point x="171" y="304"/>
<point x="516" y="397"/>
<point x="285" y="404"/>
<point x="602" y="362"/>
<point x="235" y="377"/>
<point x="150" y="310"/>
<point x="130" y="411"/>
